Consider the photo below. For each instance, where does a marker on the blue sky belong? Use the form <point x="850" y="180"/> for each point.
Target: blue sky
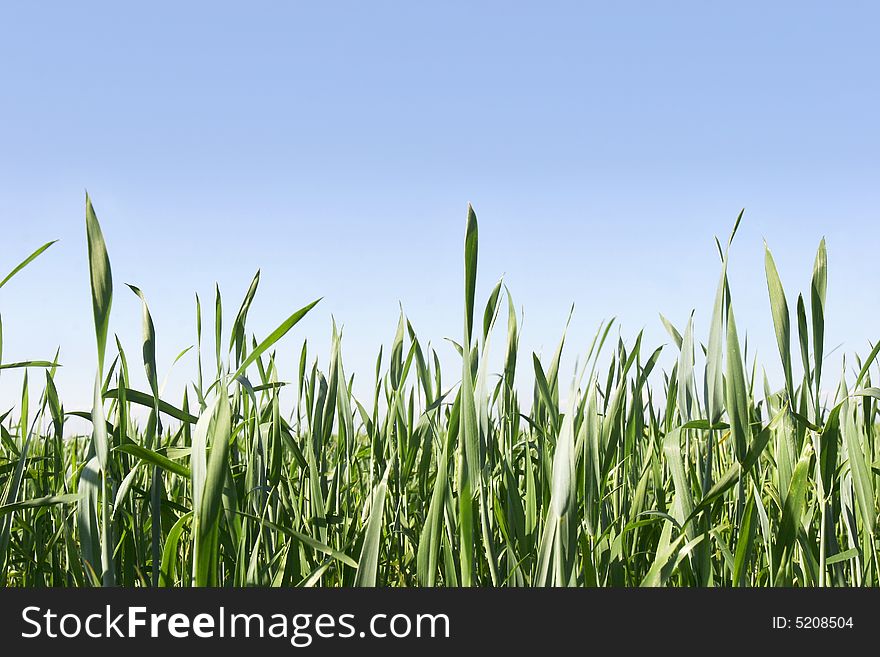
<point x="335" y="146"/>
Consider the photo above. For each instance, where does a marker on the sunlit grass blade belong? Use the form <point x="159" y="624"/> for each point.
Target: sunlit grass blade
<point x="24" y="263"/>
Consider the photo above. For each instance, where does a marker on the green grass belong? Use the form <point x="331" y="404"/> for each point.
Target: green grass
<point x="706" y="475"/>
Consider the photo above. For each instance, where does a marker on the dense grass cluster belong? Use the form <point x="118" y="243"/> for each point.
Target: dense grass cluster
<point x="626" y="476"/>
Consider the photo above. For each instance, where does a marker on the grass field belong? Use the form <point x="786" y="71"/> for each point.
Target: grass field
<point x="706" y="475"/>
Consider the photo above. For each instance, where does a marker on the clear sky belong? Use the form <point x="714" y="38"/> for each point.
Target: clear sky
<point x="335" y="146"/>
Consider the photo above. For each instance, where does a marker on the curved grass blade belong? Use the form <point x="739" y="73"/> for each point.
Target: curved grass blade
<point x="368" y="564"/>
<point x="24" y="263"/>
